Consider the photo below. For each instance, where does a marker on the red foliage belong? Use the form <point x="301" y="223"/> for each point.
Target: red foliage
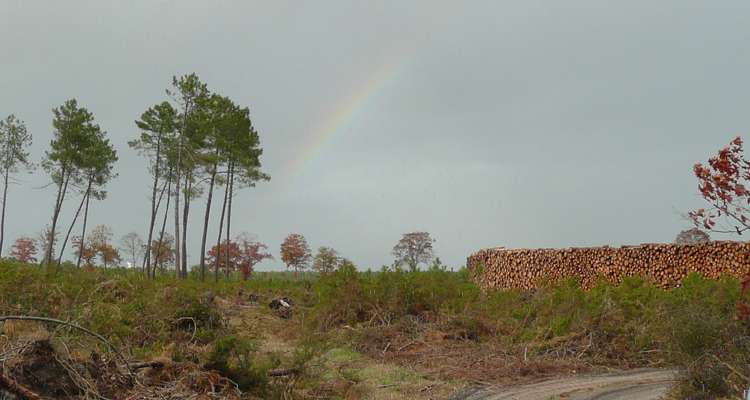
<point x="162" y="253"/>
<point x="295" y="252"/>
<point x="251" y="253"/>
<point x="219" y="254"/>
<point x="89" y="252"/>
<point x="24" y="250"/>
<point x="109" y="254"/>
<point x="723" y="184"/>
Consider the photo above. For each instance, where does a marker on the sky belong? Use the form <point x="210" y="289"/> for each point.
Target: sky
<point x="497" y="123"/>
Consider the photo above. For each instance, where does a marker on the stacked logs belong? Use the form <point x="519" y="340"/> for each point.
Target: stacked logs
<point x="664" y="264"/>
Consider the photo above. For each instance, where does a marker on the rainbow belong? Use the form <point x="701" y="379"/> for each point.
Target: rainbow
<point x="344" y="111"/>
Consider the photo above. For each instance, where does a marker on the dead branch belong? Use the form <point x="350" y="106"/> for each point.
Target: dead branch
<point x="146" y="364"/>
<point x="17" y="389"/>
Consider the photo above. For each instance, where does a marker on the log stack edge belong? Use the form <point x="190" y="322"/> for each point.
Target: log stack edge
<point x="665" y="264"/>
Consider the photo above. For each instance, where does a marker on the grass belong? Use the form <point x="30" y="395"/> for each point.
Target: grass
<point x="376" y="334"/>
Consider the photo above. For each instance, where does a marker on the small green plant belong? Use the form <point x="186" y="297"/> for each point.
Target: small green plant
<point x="234" y="358"/>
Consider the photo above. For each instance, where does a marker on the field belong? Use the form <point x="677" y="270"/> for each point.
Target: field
<point x="351" y="334"/>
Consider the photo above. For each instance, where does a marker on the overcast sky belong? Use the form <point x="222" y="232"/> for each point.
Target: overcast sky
<point x="521" y="124"/>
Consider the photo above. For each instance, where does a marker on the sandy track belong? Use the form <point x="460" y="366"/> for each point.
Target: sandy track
<point x="633" y="385"/>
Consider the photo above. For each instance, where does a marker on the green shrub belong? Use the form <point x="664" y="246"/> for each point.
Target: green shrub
<point x="233" y="357"/>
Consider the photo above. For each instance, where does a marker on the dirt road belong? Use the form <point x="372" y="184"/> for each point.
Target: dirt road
<point x="632" y="385"/>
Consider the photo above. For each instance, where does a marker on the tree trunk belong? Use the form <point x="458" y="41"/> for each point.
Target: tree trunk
<point x="177" y="260"/>
<point x="230" y="183"/>
<point x="217" y="261"/>
<point x="2" y="219"/>
<point x="147" y="257"/>
<point x="154" y="205"/>
<point x="178" y="176"/>
<point x="61" y="190"/>
<point x="205" y="223"/>
<point x="72" y="224"/>
<point x="163" y="225"/>
<point x="83" y="232"/>
<point x="185" y="213"/>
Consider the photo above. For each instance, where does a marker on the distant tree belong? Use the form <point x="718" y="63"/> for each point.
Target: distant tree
<point x="157" y="125"/>
<point x="84" y="251"/>
<point x="101" y="236"/>
<point x="79" y="155"/>
<point x="162" y="252"/>
<point x="413" y="249"/>
<point x="14" y="143"/>
<point x="45" y="239"/>
<point x="133" y="246"/>
<point x="216" y="257"/>
<point x="327" y="260"/>
<point x="215" y="118"/>
<point x="692" y="236"/>
<point x="295" y="252"/>
<point x="24" y="250"/>
<point x="242" y="163"/>
<point x="96" y="169"/>
<point x="251" y="253"/>
<point x="72" y="125"/>
<point x="109" y="255"/>
<point x="188" y="92"/>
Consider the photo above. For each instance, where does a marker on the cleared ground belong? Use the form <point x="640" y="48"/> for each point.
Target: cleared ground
<point x="632" y="385"/>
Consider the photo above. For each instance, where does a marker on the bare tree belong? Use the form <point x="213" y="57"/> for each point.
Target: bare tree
<point x="692" y="236"/>
<point x="133" y="247"/>
<point x="413" y="249"/>
<point x="327" y="260"/>
<point x="46" y="241"/>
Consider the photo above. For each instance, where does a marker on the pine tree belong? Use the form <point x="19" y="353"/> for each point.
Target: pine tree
<point x="14" y="143"/>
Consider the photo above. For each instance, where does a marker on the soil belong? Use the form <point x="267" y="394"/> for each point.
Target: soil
<point x="646" y="384"/>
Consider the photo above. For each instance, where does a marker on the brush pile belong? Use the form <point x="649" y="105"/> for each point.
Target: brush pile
<point x="40" y="369"/>
<point x="664" y="264"/>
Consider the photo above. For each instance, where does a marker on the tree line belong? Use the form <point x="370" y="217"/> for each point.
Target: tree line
<point x="197" y="144"/>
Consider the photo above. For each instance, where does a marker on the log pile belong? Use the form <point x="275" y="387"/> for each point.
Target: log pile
<point x="665" y="264"/>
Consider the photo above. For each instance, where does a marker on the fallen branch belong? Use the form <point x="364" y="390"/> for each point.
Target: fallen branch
<point x="146" y="364"/>
<point x="406" y="345"/>
<point x="17" y="389"/>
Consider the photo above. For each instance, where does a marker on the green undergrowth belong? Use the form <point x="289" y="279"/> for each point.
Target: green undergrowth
<point x="693" y="327"/>
<point x="633" y="324"/>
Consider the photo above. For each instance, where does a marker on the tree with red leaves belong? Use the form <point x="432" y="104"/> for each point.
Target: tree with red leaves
<point x="251" y="253"/>
<point x="724" y="183"/>
<point x="109" y="255"/>
<point x="24" y="250"/>
<point x="84" y="251"/>
<point x="413" y="249"/>
<point x="218" y="256"/>
<point x="162" y="252"/>
<point x="295" y="252"/>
